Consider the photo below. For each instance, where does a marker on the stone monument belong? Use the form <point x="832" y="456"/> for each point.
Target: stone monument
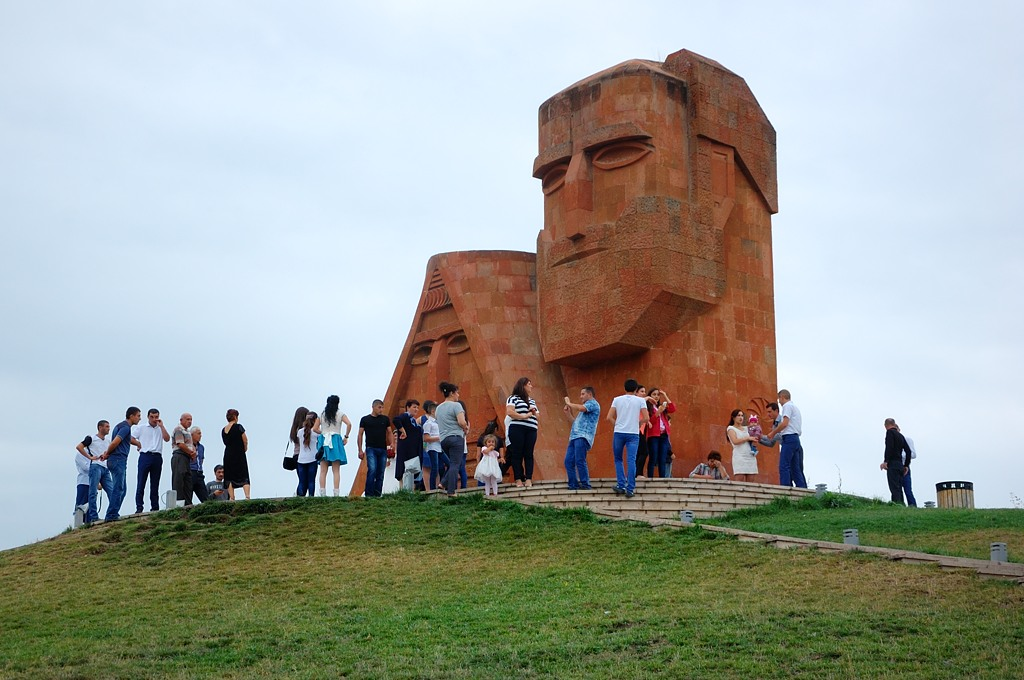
<point x="655" y="262"/>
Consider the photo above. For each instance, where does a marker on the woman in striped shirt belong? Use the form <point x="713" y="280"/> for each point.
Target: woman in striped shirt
<point x="522" y="431"/>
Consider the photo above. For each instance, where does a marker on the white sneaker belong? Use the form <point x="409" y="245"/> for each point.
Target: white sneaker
<point x="323" y="492"/>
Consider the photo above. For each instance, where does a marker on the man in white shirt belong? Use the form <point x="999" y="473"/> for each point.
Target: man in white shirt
<point x="908" y="490"/>
<point x="151" y="436"/>
<point x="92" y="448"/>
<point x="82" y="460"/>
<point x="791" y="453"/>
<point x="628" y="413"/>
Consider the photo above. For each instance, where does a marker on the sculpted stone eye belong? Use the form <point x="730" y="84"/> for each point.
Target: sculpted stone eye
<point x="420" y="355"/>
<point x="458" y="343"/>
<point x="554" y="179"/>
<point x="621" y="154"/>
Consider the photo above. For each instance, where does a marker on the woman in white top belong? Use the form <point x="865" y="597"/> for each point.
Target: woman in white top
<point x="522" y="431"/>
<point x="332" y="442"/>
<point x="744" y="464"/>
<point x="305" y="450"/>
<point x="431" y="443"/>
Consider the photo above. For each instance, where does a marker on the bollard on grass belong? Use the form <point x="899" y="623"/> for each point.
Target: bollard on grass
<point x="997" y="552"/>
<point x="686" y="516"/>
<point x="851" y="537"/>
<point x="820" y="489"/>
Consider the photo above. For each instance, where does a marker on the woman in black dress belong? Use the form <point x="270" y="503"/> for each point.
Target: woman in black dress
<point x="236" y="466"/>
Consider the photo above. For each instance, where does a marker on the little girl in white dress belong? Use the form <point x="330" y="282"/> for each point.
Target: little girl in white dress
<point x="488" y="469"/>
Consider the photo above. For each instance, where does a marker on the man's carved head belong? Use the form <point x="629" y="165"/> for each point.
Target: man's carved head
<point x="633" y="239"/>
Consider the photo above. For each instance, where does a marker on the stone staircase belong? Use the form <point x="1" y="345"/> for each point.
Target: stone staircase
<point x="655" y="498"/>
<point x="658" y="502"/>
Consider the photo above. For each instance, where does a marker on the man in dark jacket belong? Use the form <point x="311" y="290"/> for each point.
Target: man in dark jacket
<point x="897" y="460"/>
<point x="410" y="444"/>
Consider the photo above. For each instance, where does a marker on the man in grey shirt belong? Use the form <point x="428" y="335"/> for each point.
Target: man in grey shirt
<point x="182" y="453"/>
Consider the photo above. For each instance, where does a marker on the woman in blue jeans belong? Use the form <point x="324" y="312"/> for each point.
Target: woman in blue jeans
<point x="452" y="423"/>
<point x="305" y="449"/>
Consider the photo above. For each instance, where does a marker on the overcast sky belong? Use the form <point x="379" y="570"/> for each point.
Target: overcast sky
<point x="224" y="204"/>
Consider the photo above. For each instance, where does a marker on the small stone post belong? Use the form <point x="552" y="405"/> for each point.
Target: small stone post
<point x="851" y="537"/>
<point x="997" y="552"/>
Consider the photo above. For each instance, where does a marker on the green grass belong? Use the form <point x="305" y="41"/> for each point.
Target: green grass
<point x="417" y="586"/>
<point x="963" y="533"/>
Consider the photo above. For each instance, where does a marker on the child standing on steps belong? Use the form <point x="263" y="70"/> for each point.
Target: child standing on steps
<point x="488" y="468"/>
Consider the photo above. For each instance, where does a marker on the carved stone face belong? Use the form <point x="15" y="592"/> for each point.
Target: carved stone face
<point x="621" y="262"/>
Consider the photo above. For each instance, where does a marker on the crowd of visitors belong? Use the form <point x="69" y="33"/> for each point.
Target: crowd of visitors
<point x="102" y="462"/>
<point x="429" y="449"/>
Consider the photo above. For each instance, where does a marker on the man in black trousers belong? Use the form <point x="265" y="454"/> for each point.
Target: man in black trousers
<point x="896" y="464"/>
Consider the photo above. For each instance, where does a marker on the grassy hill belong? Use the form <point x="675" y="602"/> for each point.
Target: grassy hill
<point x="963" y="533"/>
<point x="418" y="586"/>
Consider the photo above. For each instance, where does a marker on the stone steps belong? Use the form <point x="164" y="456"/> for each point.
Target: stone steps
<point x="662" y="498"/>
<point x="658" y="502"/>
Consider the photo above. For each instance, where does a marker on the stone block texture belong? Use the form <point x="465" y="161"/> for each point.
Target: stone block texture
<point x="654" y="263"/>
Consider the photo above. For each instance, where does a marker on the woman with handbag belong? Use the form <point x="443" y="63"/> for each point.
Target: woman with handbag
<point x="290" y="456"/>
<point x="305" y="453"/>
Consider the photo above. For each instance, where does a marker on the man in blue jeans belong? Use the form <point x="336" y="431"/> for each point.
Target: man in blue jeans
<point x="379" y="438"/>
<point x="92" y="449"/>
<point x="151" y="437"/>
<point x="116" y="456"/>
<point x="581" y="437"/>
<point x="908" y="488"/>
<point x="791" y="454"/>
<point x="628" y="413"/>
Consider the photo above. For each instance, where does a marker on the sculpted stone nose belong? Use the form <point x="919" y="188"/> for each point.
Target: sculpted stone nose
<point x="578" y="194"/>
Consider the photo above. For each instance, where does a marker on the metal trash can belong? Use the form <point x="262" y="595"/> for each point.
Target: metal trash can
<point x="955" y="494"/>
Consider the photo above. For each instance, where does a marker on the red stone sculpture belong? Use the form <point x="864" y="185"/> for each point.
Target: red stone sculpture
<point x="655" y="262"/>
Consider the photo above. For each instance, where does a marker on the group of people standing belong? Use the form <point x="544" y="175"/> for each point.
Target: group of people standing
<point x="432" y="446"/>
<point x="102" y="463"/>
<point x="744" y="433"/>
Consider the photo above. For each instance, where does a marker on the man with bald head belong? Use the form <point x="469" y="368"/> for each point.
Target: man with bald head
<point x="791" y="457"/>
<point x="182" y="454"/>
<point x="196" y="466"/>
<point x="895" y="460"/>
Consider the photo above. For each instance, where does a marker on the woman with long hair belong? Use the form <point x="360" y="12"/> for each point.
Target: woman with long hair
<point x="305" y="450"/>
<point x="236" y="465"/>
<point x="333" y="443"/>
<point x="453" y="426"/>
<point x="642" y="460"/>
<point x="297" y="420"/>
<point x="659" y="406"/>
<point x="744" y="464"/>
<point x="522" y="431"/>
